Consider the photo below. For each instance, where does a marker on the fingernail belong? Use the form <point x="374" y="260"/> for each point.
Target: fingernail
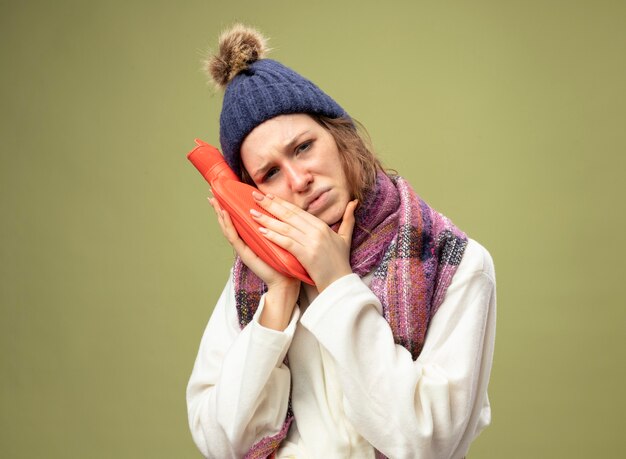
<point x="258" y="196"/>
<point x="262" y="230"/>
<point x="255" y="213"/>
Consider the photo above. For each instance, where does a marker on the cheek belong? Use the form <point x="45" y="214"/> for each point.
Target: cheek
<point x="338" y="170"/>
<point x="342" y="177"/>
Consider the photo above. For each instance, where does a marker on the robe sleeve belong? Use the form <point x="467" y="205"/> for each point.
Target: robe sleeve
<point x="429" y="408"/>
<point x="239" y="387"/>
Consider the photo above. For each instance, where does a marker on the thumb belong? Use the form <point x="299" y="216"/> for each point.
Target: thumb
<point x="347" y="222"/>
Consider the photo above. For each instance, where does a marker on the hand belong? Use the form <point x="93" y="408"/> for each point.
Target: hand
<point x="267" y="274"/>
<point x="282" y="291"/>
<point x="323" y="253"/>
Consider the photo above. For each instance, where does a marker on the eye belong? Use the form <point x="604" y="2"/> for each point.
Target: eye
<point x="304" y="146"/>
<point x="270" y="173"/>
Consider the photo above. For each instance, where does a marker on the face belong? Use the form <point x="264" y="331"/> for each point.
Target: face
<point x="296" y="159"/>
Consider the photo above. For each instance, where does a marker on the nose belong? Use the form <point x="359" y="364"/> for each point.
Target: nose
<point x="299" y="178"/>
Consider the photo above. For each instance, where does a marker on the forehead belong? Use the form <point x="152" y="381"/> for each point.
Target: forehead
<point x="276" y="133"/>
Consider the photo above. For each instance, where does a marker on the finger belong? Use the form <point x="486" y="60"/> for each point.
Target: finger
<point x="347" y="222"/>
<point x="216" y="206"/>
<point x="226" y="224"/>
<point x="284" y="210"/>
<point x="278" y="226"/>
<point x="220" y="218"/>
<point x="285" y="242"/>
<point x="210" y="200"/>
<point x="231" y="231"/>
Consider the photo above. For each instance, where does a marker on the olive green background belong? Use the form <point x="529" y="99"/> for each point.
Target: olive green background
<point x="509" y="117"/>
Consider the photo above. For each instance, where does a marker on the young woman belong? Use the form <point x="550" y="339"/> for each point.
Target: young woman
<point x="389" y="353"/>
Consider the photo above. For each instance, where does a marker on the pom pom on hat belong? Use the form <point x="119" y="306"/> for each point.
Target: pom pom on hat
<point x="258" y="89"/>
<point x="239" y="47"/>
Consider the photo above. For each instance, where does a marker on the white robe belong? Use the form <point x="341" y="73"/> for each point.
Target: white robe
<point x="353" y="389"/>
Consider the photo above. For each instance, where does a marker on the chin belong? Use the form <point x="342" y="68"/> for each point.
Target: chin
<point x="332" y="216"/>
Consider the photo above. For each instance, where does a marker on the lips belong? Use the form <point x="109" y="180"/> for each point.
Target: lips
<point x="314" y="197"/>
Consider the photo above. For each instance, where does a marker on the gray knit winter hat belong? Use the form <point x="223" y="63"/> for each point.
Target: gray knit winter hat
<point x="258" y="89"/>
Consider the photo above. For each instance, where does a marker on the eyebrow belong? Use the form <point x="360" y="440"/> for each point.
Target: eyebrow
<point x="289" y="146"/>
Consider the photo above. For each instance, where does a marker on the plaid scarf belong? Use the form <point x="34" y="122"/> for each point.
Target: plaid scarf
<point x="413" y="252"/>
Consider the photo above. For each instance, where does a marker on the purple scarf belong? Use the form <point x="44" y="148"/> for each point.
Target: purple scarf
<point x="413" y="252"/>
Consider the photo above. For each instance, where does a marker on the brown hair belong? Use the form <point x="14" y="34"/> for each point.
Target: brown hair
<point x="359" y="163"/>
